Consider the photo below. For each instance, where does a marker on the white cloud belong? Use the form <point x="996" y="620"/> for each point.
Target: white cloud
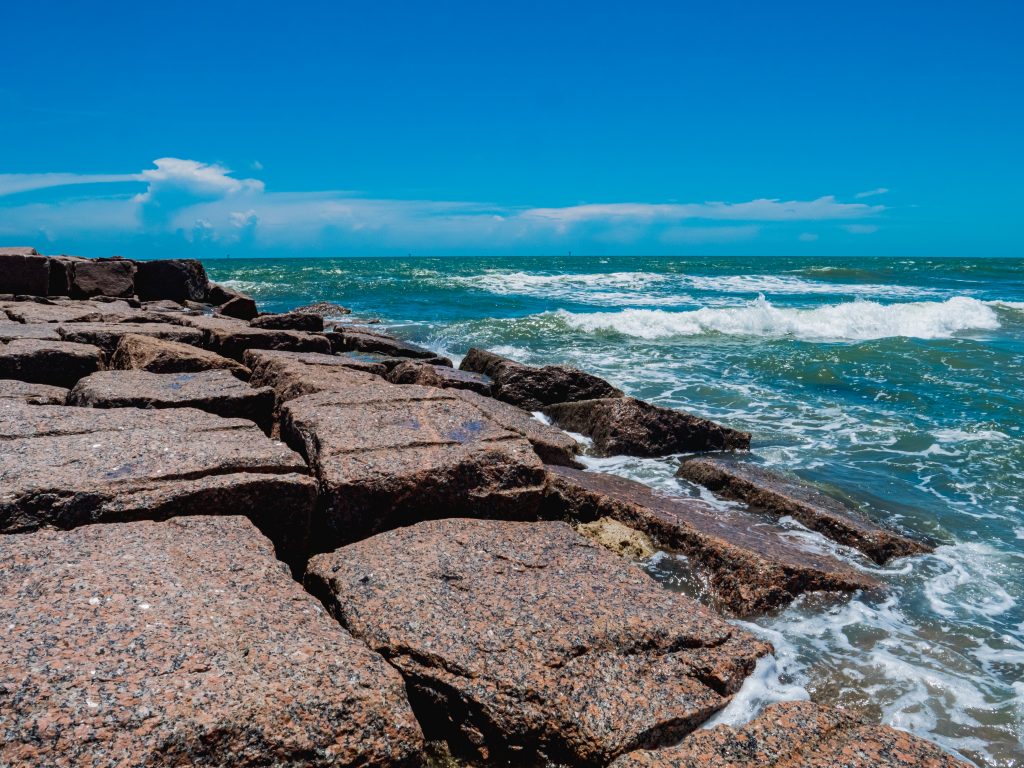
<point x="11" y="183"/>
<point x="860" y="229"/>
<point x="807" y="237"/>
<point x="871" y="193"/>
<point x="200" y="180"/>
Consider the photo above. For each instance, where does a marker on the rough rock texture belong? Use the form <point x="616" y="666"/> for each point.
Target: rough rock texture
<point x="32" y="394"/>
<point x="160" y="356"/>
<point x="58" y="363"/>
<point x="107" y="336"/>
<point x="294" y="374"/>
<point x="526" y="640"/>
<point x="290" y="321"/>
<point x="232" y="337"/>
<point x="748" y="563"/>
<point x="102" y="277"/>
<point x="324" y="309"/>
<point x="442" y="376"/>
<point x="387" y="455"/>
<point x="360" y="340"/>
<point x="62" y="271"/>
<point x="373" y="361"/>
<point x="533" y="388"/>
<point x="552" y="444"/>
<point x="66" y="311"/>
<point x="183" y="643"/>
<point x="625" y="425"/>
<point x="66" y="467"/>
<point x="797" y="733"/>
<point x="780" y="496"/>
<point x="618" y="538"/>
<point x="217" y="392"/>
<point x="238" y="306"/>
<point x="23" y="271"/>
<point x="175" y="279"/>
<point x="41" y="331"/>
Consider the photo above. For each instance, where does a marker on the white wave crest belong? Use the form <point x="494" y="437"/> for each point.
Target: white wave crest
<point x="856" y="320"/>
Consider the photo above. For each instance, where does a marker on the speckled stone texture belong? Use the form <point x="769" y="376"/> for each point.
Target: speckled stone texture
<point x="107" y="336"/>
<point x="747" y="562"/>
<point x="290" y="321"/>
<point x="217" y="392"/>
<point x="68" y="311"/>
<point x="625" y="425"/>
<point x="779" y="496"/>
<point x="183" y="643"/>
<point x="797" y="733"/>
<point x="442" y="376"/>
<point x="527" y="641"/>
<point x="102" y="277"/>
<point x="533" y="388"/>
<point x="66" y="467"/>
<point x="361" y="340"/>
<point x="24" y="271"/>
<point x="57" y="363"/>
<point x="294" y="374"/>
<point x="144" y="353"/>
<point x="388" y="455"/>
<point x="324" y="309"/>
<point x="232" y="337"/>
<point x="32" y="394"/>
<point x="10" y="330"/>
<point x="553" y="445"/>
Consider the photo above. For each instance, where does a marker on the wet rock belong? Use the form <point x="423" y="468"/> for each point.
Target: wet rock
<point x="24" y="271"/>
<point x="40" y="361"/>
<point x="294" y="374"/>
<point x="216" y="391"/>
<point x="290" y="321"/>
<point x="552" y="445"/>
<point x="66" y="467"/>
<point x="749" y="564"/>
<point x="232" y="337"/>
<point x="475" y="615"/>
<point x="618" y="538"/>
<point x="240" y="307"/>
<point x="145" y="353"/>
<point x="183" y="643"/>
<point x="176" y="279"/>
<point x="532" y="387"/>
<point x="781" y="496"/>
<point x="32" y="394"/>
<point x="41" y="331"/>
<point x="387" y="455"/>
<point x="441" y="376"/>
<point x="361" y="340"/>
<point x="797" y="733"/>
<point x="102" y="277"/>
<point x="107" y="336"/>
<point x="324" y="309"/>
<point x="625" y="425"/>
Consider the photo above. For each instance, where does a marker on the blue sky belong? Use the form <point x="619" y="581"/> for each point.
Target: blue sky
<point x="872" y="128"/>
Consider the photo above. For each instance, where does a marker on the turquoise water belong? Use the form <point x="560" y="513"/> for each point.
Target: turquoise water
<point x="896" y="381"/>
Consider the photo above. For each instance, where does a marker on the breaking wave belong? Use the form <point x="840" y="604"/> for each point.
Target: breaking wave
<point x="856" y="320"/>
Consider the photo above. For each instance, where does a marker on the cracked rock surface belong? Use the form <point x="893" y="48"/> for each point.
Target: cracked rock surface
<point x="525" y="640"/>
<point x="183" y="643"/>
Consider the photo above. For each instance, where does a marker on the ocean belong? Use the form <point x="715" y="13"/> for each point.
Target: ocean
<point x="895" y="382"/>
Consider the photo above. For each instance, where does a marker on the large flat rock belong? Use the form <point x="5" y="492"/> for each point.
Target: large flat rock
<point x="362" y="340"/>
<point x="797" y="733"/>
<point x="625" y="425"/>
<point x="11" y="330"/>
<point x="533" y="387"/>
<point x="527" y="642"/>
<point x="66" y="311"/>
<point x="32" y="394"/>
<point x="217" y="391"/>
<point x="183" y="643"/>
<point x="294" y="374"/>
<point x="41" y="361"/>
<point x="145" y="353"/>
<point x="107" y="336"/>
<point x="749" y="563"/>
<point x="232" y="337"/>
<point x="65" y="467"/>
<point x="388" y="455"/>
<point x="779" y="495"/>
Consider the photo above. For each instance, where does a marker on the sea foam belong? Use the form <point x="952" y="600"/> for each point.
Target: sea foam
<point x="855" y="320"/>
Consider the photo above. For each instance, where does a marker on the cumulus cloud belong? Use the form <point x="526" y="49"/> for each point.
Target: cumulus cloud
<point x="206" y="203"/>
<point x="871" y="193"/>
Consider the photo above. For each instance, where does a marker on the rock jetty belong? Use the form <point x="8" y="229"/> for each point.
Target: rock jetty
<point x="231" y="538"/>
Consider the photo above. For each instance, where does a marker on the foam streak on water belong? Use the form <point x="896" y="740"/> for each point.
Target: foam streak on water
<point x="895" y="382"/>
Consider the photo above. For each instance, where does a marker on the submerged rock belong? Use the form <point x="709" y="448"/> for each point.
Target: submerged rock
<point x="41" y="361"/>
<point x="183" y="643"/>
<point x="625" y="425"/>
<point x="797" y="733"/>
<point x="144" y="353"/>
<point x="749" y="565"/>
<point x="780" y="496"/>
<point x="441" y="376"/>
<point x="534" y="388"/>
<point x="525" y="641"/>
